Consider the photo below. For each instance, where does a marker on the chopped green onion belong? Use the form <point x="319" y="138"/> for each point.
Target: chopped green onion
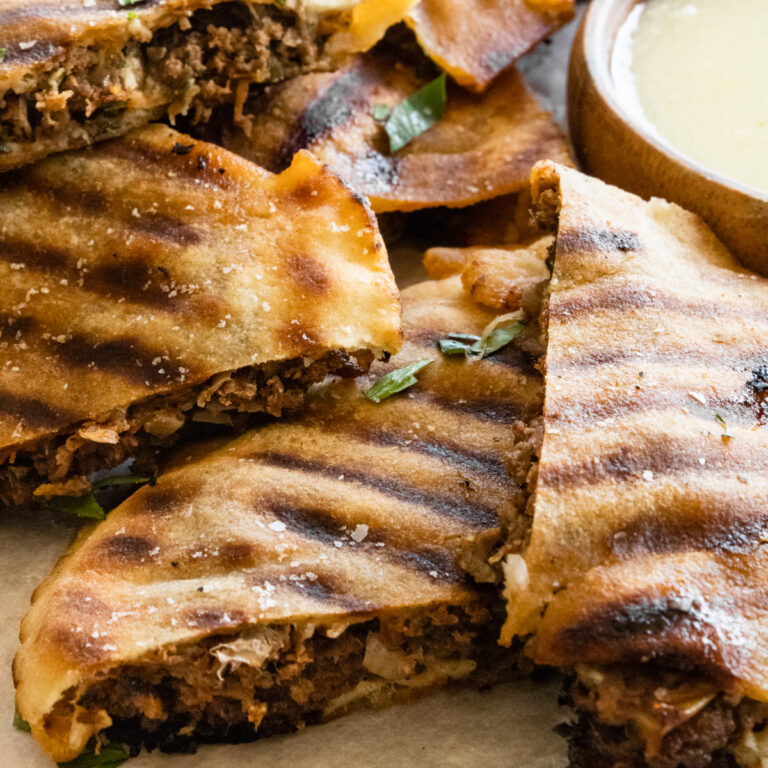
<point x="2" y="53"/>
<point x="132" y="15"/>
<point x="416" y="114"/>
<point x="20" y="724"/>
<point x="396" y="381"/>
<point x="124" y="3"/>
<point x="109" y="756"/>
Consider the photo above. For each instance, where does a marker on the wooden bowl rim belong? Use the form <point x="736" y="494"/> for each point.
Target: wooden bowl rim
<point x="597" y="42"/>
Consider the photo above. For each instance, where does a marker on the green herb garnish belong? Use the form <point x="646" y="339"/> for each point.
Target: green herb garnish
<point x="80" y="506"/>
<point x="109" y="482"/>
<point x="2" y="53"/>
<point x="110" y="756"/>
<point x="726" y="434"/>
<point x="279" y="3"/>
<point x="416" y="114"/>
<point x="499" y="337"/>
<point x="87" y="506"/>
<point x="381" y="112"/>
<point x="124" y="3"/>
<point x="396" y="381"/>
<point x="20" y="724"/>
<point x="497" y="334"/>
<point x="132" y="15"/>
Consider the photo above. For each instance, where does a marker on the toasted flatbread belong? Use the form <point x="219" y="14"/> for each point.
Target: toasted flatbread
<point x="72" y="73"/>
<point x="303" y="568"/>
<point x="156" y="279"/>
<point x="483" y="147"/>
<point x="475" y="40"/>
<point x="647" y="568"/>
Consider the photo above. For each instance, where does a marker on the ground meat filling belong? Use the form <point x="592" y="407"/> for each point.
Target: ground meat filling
<point x="280" y="678"/>
<point x="60" y="465"/>
<point x="660" y="719"/>
<point x="187" y="68"/>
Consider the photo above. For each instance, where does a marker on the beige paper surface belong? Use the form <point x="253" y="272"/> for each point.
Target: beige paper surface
<point x="510" y="725"/>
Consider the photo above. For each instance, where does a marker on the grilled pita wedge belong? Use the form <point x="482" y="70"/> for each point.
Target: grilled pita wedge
<point x="647" y="568"/>
<point x="304" y="568"/>
<point x="72" y="73"/>
<point x="483" y="147"/>
<point x="475" y="40"/>
<point x="155" y="280"/>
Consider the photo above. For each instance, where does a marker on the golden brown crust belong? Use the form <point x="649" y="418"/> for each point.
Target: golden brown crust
<point x="475" y="40"/>
<point x="154" y="262"/>
<point x="482" y="148"/>
<point x="354" y="511"/>
<point x="648" y="536"/>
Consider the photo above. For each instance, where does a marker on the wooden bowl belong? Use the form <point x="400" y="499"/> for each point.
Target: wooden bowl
<point x="614" y="146"/>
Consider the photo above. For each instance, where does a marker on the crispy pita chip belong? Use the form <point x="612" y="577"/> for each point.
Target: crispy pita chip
<point x="71" y="75"/>
<point x="499" y="278"/>
<point x="475" y="40"/>
<point x="647" y="566"/>
<point x="300" y="569"/>
<point x="156" y="279"/>
<point x="484" y="146"/>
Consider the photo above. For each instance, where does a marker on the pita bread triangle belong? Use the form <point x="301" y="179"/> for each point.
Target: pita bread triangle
<point x="303" y="568"/>
<point x="155" y="280"/>
<point x="646" y="571"/>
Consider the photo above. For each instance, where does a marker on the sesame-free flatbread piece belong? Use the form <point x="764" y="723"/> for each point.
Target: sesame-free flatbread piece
<point x="155" y="280"/>
<point x="299" y="570"/>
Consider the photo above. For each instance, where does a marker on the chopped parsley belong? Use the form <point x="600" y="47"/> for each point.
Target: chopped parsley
<point x="109" y="756"/>
<point x="726" y="434"/>
<point x="396" y="381"/>
<point x="381" y="112"/>
<point x="497" y="334"/>
<point x="420" y="111"/>
<point x="279" y="3"/>
<point x="87" y="506"/>
<point x="132" y="15"/>
<point x="20" y="724"/>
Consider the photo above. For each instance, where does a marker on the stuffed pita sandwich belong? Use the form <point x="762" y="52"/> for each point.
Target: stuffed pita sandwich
<point x="298" y="571"/>
<point x="645" y="577"/>
<point x="155" y="280"/>
<point x="73" y="73"/>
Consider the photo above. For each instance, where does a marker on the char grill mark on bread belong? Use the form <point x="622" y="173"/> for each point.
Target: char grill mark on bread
<point x="646" y="567"/>
<point x="299" y="570"/>
<point x="144" y="287"/>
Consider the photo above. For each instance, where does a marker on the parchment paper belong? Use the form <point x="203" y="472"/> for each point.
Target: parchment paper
<point x="510" y="725"/>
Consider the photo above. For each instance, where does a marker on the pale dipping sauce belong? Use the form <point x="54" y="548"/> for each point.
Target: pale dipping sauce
<point x="700" y="72"/>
